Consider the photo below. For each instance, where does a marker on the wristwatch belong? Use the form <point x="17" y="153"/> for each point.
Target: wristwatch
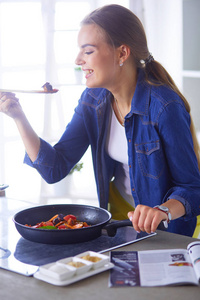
<point x="165" y="210"/>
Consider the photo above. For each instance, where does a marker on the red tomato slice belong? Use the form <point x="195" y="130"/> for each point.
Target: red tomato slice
<point x="61" y="227"/>
<point x="48" y="223"/>
<point x="67" y="217"/>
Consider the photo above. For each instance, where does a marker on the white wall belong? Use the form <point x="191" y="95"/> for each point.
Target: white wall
<point x="163" y="25"/>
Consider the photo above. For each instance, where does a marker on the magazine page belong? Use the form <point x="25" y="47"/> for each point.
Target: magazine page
<point x="194" y="252"/>
<point x="126" y="269"/>
<point x="166" y="267"/>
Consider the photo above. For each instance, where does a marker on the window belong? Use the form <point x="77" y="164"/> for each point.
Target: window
<point x="40" y="45"/>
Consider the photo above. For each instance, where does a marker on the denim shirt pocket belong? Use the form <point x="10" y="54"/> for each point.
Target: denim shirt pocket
<point x="150" y="158"/>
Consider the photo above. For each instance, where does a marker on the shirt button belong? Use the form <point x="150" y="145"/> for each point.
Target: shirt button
<point x="129" y="166"/>
<point x="129" y="140"/>
<point x="133" y="190"/>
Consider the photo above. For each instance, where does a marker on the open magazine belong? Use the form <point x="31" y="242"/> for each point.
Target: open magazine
<point x="156" y="267"/>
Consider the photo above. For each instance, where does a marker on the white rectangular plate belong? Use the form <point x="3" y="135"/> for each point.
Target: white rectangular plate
<point x="75" y="278"/>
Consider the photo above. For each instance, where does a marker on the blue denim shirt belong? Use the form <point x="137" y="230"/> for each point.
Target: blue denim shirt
<point x="161" y="158"/>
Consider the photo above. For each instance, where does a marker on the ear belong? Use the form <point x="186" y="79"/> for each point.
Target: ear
<point x="123" y="53"/>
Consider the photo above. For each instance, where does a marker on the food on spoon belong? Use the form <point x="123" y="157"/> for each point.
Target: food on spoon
<point x="60" y="221"/>
<point x="48" y="88"/>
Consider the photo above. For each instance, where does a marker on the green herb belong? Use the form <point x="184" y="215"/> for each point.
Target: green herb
<point x="48" y="227"/>
<point x="77" y="167"/>
<point x="77" y="68"/>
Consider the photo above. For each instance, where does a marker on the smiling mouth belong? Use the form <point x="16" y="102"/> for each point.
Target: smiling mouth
<point x="88" y="73"/>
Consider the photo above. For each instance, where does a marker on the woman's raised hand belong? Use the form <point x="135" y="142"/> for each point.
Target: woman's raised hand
<point x="9" y="104"/>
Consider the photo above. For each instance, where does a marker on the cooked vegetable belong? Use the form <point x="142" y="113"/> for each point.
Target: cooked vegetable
<point x="48" y="88"/>
<point x="47" y="227"/>
<point x="61" y="222"/>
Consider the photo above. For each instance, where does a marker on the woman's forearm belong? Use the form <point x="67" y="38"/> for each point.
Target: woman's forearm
<point x="176" y="208"/>
<point x="29" y="137"/>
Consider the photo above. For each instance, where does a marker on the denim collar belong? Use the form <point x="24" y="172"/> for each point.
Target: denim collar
<point x="140" y="100"/>
<point x="141" y="97"/>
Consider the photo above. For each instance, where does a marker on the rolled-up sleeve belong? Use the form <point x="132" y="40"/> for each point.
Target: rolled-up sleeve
<point x="44" y="161"/>
<point x="55" y="162"/>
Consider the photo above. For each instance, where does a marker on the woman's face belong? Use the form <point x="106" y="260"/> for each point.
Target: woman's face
<point x="96" y="57"/>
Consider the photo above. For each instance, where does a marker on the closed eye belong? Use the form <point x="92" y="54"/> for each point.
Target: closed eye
<point x="89" y="52"/>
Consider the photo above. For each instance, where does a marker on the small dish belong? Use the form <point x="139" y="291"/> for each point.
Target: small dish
<point x="57" y="271"/>
<point x="97" y="259"/>
<point x="81" y="265"/>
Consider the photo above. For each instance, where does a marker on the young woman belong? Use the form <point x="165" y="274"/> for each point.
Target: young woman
<point x="144" y="149"/>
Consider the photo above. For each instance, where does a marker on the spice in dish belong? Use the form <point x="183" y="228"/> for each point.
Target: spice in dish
<point x="91" y="258"/>
<point x="76" y="264"/>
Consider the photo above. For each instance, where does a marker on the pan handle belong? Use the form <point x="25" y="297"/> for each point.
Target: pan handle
<point x="111" y="228"/>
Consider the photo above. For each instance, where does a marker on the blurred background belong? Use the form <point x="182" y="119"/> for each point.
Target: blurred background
<point x="38" y="44"/>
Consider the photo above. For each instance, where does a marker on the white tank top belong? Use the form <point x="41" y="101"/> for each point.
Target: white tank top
<point x="117" y="149"/>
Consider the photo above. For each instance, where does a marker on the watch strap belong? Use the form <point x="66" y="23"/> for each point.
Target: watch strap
<point x="166" y="212"/>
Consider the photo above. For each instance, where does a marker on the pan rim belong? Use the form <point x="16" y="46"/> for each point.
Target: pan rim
<point x="60" y="205"/>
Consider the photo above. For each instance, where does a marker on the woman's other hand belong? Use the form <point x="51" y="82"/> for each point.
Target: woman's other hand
<point x="145" y="218"/>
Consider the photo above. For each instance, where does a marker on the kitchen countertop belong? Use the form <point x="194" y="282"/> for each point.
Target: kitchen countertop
<point x="13" y="285"/>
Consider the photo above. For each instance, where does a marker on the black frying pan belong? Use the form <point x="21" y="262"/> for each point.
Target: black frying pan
<point x="98" y="218"/>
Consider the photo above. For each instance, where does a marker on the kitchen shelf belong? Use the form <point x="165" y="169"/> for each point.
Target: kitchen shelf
<point x="191" y="73"/>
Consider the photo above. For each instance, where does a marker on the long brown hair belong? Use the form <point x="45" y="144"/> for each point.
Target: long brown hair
<point x="121" y="26"/>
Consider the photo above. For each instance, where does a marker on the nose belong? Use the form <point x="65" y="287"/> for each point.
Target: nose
<point x="79" y="61"/>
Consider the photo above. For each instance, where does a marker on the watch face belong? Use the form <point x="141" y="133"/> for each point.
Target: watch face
<point x="166" y="209"/>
